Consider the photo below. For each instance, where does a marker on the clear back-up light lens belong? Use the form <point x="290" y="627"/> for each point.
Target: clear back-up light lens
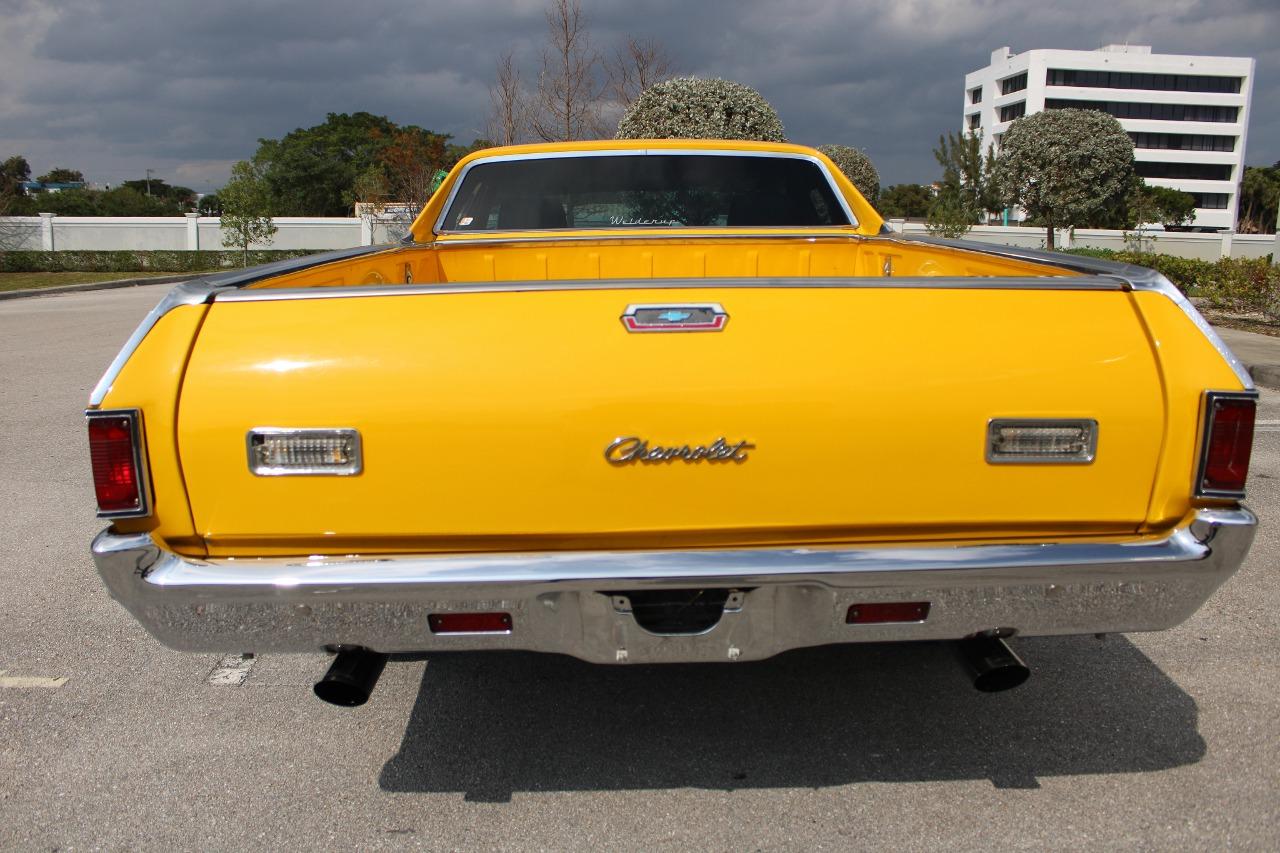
<point x="275" y="452"/>
<point x="1042" y="440"/>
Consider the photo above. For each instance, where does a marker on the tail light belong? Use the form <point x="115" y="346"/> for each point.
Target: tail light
<point x="1226" y="442"/>
<point x="115" y="452"/>
<point x="469" y="623"/>
<point x="879" y="612"/>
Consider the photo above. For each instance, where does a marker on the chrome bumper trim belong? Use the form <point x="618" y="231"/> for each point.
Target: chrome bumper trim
<point x="793" y="597"/>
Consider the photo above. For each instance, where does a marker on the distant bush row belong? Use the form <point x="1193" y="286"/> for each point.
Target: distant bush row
<point x="140" y="261"/>
<point x="1232" y="284"/>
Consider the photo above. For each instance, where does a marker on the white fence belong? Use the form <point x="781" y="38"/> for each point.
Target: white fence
<point x="52" y="233"/>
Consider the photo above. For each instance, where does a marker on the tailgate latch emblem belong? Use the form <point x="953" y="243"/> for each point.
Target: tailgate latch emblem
<point x="677" y="317"/>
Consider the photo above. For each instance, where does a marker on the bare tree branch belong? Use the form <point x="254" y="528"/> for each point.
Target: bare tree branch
<point x="568" y="84"/>
<point x="635" y="67"/>
<point x="509" y="111"/>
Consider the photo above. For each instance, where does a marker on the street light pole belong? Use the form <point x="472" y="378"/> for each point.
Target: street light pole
<point x="149" y="171"/>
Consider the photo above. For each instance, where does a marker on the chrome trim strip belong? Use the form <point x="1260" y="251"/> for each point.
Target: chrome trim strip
<point x="742" y="566"/>
<point x="1138" y="278"/>
<point x="1202" y="443"/>
<point x="938" y="283"/>
<point x="145" y="496"/>
<point x="349" y="470"/>
<point x="439" y="228"/>
<point x="836" y="234"/>
<point x="996" y="424"/>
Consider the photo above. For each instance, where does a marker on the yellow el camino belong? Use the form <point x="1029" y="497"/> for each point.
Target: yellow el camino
<point x="653" y="401"/>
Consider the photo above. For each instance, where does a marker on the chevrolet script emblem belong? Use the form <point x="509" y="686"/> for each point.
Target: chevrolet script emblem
<point x="629" y="449"/>
<point x="680" y="317"/>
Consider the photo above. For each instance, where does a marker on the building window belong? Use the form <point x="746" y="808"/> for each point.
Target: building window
<point x="1140" y="80"/>
<point x="975" y="95"/>
<point x="1012" y="111"/>
<point x="1211" y="201"/>
<point x="1152" y="112"/>
<point x="1183" y="141"/>
<point x="1183" y="171"/>
<point x="1016" y="83"/>
<point x="975" y="121"/>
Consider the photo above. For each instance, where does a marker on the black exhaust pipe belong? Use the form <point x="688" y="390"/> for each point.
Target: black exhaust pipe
<point x="992" y="663"/>
<point x="351" y="678"/>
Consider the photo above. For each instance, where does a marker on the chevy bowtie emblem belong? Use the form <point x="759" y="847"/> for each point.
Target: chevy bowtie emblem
<point x="681" y="317"/>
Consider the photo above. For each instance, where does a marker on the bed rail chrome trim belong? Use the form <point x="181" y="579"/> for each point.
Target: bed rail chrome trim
<point x="932" y="283"/>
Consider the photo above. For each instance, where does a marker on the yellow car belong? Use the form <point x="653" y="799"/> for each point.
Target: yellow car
<point x="640" y="401"/>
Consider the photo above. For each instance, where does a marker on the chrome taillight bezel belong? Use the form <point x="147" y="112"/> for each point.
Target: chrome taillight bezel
<point x="1208" y="399"/>
<point x="137" y="439"/>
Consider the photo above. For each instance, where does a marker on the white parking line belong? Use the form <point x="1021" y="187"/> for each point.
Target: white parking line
<point x="19" y="681"/>
<point x="231" y="671"/>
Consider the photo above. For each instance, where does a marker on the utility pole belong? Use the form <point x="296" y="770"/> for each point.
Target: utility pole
<point x="149" y="171"/>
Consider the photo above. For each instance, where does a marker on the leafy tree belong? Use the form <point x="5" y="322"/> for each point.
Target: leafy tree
<point x="210" y="204"/>
<point x="173" y="199"/>
<point x="694" y="108"/>
<point x="1259" y="196"/>
<point x="949" y="216"/>
<point x="61" y="176"/>
<point x="1064" y="166"/>
<point x="905" y="201"/>
<point x="967" y="176"/>
<point x="72" y="203"/>
<point x="857" y="168"/>
<point x="1171" y="208"/>
<point x="127" y="201"/>
<point x="13" y="172"/>
<point x="310" y="171"/>
<point x="246" y="208"/>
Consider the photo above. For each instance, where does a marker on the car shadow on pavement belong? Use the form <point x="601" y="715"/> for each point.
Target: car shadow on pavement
<point x="490" y="725"/>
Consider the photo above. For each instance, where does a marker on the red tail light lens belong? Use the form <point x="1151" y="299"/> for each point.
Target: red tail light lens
<point x="887" y="611"/>
<point x="469" y="623"/>
<point x="1228" y="441"/>
<point x="116" y="457"/>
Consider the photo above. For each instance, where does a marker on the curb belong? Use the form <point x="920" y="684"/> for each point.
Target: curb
<point x="1266" y="375"/>
<point x="96" y="285"/>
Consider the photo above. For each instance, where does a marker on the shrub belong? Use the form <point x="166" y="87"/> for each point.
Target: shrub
<point x="694" y="108"/>
<point x="857" y="168"/>
<point x="138" y="261"/>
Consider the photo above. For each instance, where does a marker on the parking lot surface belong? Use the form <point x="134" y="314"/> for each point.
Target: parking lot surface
<point x="108" y="740"/>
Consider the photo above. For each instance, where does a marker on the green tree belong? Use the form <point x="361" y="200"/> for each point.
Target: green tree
<point x="1171" y="208"/>
<point x="173" y="199"/>
<point x="1064" y="166"/>
<point x="210" y="204"/>
<point x="61" y="176"/>
<point x="72" y="203"/>
<point x="949" y="216"/>
<point x="246" y="208"/>
<point x="967" y="189"/>
<point x="857" y="168"/>
<point x="127" y="201"/>
<point x="1259" y="197"/>
<point x="694" y="108"/>
<point x="905" y="201"/>
<point x="13" y="172"/>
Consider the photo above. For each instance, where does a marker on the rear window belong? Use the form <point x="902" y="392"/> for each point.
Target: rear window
<point x="643" y="191"/>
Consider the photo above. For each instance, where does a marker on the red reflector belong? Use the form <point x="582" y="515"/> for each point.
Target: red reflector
<point x="115" y="463"/>
<point x="887" y="611"/>
<point x="1228" y="445"/>
<point x="469" y="623"/>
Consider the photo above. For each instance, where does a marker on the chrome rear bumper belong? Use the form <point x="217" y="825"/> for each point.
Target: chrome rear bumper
<point x="559" y="603"/>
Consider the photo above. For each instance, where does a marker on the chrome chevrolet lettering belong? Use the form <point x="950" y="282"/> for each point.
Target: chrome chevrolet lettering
<point x="631" y="448"/>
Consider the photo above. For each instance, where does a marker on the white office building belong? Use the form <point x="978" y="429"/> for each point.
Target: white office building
<point x="1187" y="115"/>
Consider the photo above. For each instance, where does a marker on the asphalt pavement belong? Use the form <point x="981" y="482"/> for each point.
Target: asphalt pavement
<point x="110" y="741"/>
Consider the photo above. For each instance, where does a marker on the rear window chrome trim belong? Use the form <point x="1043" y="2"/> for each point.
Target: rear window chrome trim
<point x="439" y="229"/>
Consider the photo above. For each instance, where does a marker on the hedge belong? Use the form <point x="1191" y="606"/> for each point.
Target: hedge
<point x="1249" y="285"/>
<point x="140" y="261"/>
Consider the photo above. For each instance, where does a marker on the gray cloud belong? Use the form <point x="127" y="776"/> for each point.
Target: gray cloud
<point x="187" y="88"/>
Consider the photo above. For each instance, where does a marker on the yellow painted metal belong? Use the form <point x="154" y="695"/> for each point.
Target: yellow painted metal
<point x="150" y="381"/>
<point x="485" y="417"/>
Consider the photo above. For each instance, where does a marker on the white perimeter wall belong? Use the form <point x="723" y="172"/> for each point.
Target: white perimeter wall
<point x="52" y="233"/>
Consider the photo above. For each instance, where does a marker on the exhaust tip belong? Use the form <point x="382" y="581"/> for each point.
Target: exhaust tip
<point x="993" y="665"/>
<point x="351" y="678"/>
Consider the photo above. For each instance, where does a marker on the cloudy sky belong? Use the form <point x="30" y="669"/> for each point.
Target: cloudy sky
<point x="114" y="87"/>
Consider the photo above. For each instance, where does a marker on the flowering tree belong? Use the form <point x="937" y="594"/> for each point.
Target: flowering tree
<point x="1064" y="166"/>
<point x="694" y="108"/>
<point x="857" y="168"/>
